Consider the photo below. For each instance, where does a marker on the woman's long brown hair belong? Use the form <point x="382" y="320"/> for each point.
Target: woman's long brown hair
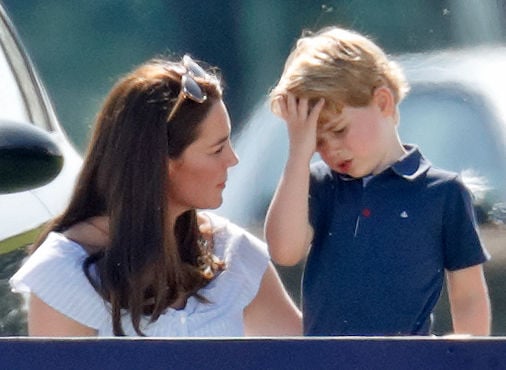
<point x="124" y="177"/>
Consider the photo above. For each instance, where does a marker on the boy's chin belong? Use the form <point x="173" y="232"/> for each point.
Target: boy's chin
<point x="350" y="173"/>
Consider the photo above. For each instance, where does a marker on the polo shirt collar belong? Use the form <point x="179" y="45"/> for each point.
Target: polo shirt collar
<point x="412" y="164"/>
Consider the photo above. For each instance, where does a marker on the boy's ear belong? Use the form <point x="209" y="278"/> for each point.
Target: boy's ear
<point x="384" y="99"/>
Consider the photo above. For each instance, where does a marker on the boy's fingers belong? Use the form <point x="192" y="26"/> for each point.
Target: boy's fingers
<point x="315" y="112"/>
<point x="302" y="108"/>
<point x="293" y="109"/>
<point x="291" y="103"/>
<point x="279" y="106"/>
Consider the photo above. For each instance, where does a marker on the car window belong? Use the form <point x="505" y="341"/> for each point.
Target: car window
<point x="11" y="99"/>
<point x="22" y="95"/>
<point x="453" y="127"/>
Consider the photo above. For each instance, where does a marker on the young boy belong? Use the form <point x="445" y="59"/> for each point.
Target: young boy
<point x="382" y="225"/>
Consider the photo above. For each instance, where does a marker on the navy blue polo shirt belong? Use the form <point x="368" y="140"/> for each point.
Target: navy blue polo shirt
<point x="377" y="261"/>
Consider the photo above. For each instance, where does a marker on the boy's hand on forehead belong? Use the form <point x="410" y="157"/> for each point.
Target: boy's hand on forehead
<point x="301" y="120"/>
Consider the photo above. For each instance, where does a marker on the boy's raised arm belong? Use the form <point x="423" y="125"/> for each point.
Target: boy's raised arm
<point x="287" y="229"/>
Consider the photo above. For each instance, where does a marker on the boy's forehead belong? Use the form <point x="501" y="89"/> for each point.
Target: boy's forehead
<point x="328" y="122"/>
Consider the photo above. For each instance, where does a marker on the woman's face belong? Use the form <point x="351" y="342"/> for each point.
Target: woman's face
<point x="198" y="176"/>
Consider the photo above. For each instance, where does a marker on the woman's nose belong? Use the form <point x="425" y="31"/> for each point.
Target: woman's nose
<point x="233" y="158"/>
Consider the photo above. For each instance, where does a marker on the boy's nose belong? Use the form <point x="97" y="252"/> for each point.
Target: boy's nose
<point x="330" y="148"/>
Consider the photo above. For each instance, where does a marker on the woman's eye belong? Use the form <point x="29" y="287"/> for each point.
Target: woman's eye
<point x="219" y="150"/>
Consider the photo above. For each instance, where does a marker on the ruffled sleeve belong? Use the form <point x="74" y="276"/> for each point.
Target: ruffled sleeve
<point x="54" y="274"/>
<point x="246" y="259"/>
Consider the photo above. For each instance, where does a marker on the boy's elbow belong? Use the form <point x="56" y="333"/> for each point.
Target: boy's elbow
<point x="285" y="261"/>
<point x="286" y="251"/>
<point x="284" y="256"/>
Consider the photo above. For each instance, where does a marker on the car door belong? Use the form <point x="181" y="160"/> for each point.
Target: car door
<point x="24" y="100"/>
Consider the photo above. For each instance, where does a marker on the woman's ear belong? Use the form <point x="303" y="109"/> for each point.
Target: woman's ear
<point x="171" y="166"/>
<point x="385" y="101"/>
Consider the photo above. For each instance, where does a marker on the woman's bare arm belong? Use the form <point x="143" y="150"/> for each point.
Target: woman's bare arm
<point x="272" y="312"/>
<point x="45" y="321"/>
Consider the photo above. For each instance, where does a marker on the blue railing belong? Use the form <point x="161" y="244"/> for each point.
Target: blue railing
<point x="265" y="353"/>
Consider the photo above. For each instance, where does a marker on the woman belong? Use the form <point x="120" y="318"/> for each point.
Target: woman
<point x="131" y="255"/>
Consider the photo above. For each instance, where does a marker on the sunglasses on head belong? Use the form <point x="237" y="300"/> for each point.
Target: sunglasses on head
<point x="190" y="89"/>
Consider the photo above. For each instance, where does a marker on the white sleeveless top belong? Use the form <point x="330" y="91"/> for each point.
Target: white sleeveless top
<point x="54" y="273"/>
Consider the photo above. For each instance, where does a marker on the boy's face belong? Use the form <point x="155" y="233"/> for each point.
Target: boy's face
<point x="359" y="141"/>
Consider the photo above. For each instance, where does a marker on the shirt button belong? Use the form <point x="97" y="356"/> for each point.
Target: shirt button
<point x="182" y="319"/>
<point x="366" y="212"/>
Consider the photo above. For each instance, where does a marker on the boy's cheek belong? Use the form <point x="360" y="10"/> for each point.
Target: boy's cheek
<point x="325" y="158"/>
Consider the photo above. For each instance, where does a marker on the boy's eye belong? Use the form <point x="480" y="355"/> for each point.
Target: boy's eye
<point x="339" y="131"/>
<point x="219" y="150"/>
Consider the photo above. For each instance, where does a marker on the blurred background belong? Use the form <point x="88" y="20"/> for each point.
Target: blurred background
<point x="80" y="48"/>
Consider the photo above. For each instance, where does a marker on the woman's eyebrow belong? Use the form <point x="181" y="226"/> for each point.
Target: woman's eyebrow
<point x="220" y="141"/>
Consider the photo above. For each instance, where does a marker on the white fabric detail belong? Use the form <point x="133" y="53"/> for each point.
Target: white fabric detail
<point x="54" y="274"/>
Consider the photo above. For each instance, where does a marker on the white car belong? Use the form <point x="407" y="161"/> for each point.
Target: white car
<point x="30" y="194"/>
<point x="455" y="112"/>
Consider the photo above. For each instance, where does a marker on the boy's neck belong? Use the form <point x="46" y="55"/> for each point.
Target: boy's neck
<point x="396" y="152"/>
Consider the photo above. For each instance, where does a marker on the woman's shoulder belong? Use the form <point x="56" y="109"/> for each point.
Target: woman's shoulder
<point x="246" y="259"/>
<point x="55" y="258"/>
<point x="59" y="247"/>
<point x="224" y="228"/>
<point x="54" y="273"/>
<point x="234" y="242"/>
<point x="91" y="234"/>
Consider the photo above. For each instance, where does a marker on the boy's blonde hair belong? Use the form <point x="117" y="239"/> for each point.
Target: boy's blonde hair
<point x="341" y="66"/>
